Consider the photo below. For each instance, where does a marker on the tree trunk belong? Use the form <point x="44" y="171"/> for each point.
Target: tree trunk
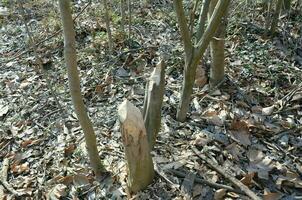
<point x="194" y="54"/>
<point x="122" y="4"/>
<point x="268" y="16"/>
<point x="153" y="102"/>
<point x="202" y="18"/>
<point x="140" y="168"/>
<point x="107" y="20"/>
<point x="286" y="4"/>
<point x="276" y="17"/>
<point x="74" y="86"/>
<point x="217" y="50"/>
<point x="186" y="92"/>
<point x="130" y="18"/>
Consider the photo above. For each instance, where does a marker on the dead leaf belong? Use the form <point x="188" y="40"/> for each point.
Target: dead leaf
<point x="66" y="180"/>
<point x="57" y="192"/>
<point x="240" y="132"/>
<point x="268" y="110"/>
<point x="27" y="143"/>
<point x="271" y="195"/>
<point x="259" y="163"/>
<point x="80" y="180"/>
<point x="3" y="110"/>
<point x="18" y="169"/>
<point x="69" y="149"/>
<point x="24" y="84"/>
<point x="247" y="179"/>
<point x="213" y="118"/>
<point x="219" y="194"/>
<point x="234" y="150"/>
<point x="201" y="141"/>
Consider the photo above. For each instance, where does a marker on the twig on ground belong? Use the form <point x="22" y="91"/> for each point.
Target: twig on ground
<point x="283" y="102"/>
<point x="289" y="131"/>
<point x="4" y="146"/>
<point x="285" y="152"/>
<point x="288" y="109"/>
<point x="232" y="179"/>
<point x="161" y="173"/>
<point x="209" y="183"/>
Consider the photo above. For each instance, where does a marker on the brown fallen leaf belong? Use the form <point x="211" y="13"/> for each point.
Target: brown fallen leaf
<point x="240" y="132"/>
<point x="247" y="179"/>
<point x="69" y="149"/>
<point x="18" y="169"/>
<point x="27" y="143"/>
<point x="80" y="180"/>
<point x="271" y="195"/>
<point x="66" y="180"/>
<point x="219" y="194"/>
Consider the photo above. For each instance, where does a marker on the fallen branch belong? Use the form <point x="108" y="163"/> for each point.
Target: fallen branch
<point x="232" y="179"/>
<point x="162" y="174"/>
<point x="209" y="183"/>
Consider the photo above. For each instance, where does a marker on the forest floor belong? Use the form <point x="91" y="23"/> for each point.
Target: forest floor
<point x="250" y="127"/>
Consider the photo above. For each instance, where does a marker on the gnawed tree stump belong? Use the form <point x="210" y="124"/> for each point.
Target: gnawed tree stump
<point x="153" y="102"/>
<point x="140" y="168"/>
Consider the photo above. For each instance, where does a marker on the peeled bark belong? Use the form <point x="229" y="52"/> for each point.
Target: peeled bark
<point x="140" y="168"/>
<point x="74" y="86"/>
<point x="217" y="50"/>
<point x="194" y="54"/>
<point x="153" y="102"/>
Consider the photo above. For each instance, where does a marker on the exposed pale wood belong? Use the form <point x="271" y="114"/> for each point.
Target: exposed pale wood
<point x="140" y="168"/>
<point x="153" y="102"/>
<point x="229" y="177"/>
<point x="74" y="86"/>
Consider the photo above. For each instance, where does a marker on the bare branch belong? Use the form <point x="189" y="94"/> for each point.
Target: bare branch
<point x="184" y="30"/>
